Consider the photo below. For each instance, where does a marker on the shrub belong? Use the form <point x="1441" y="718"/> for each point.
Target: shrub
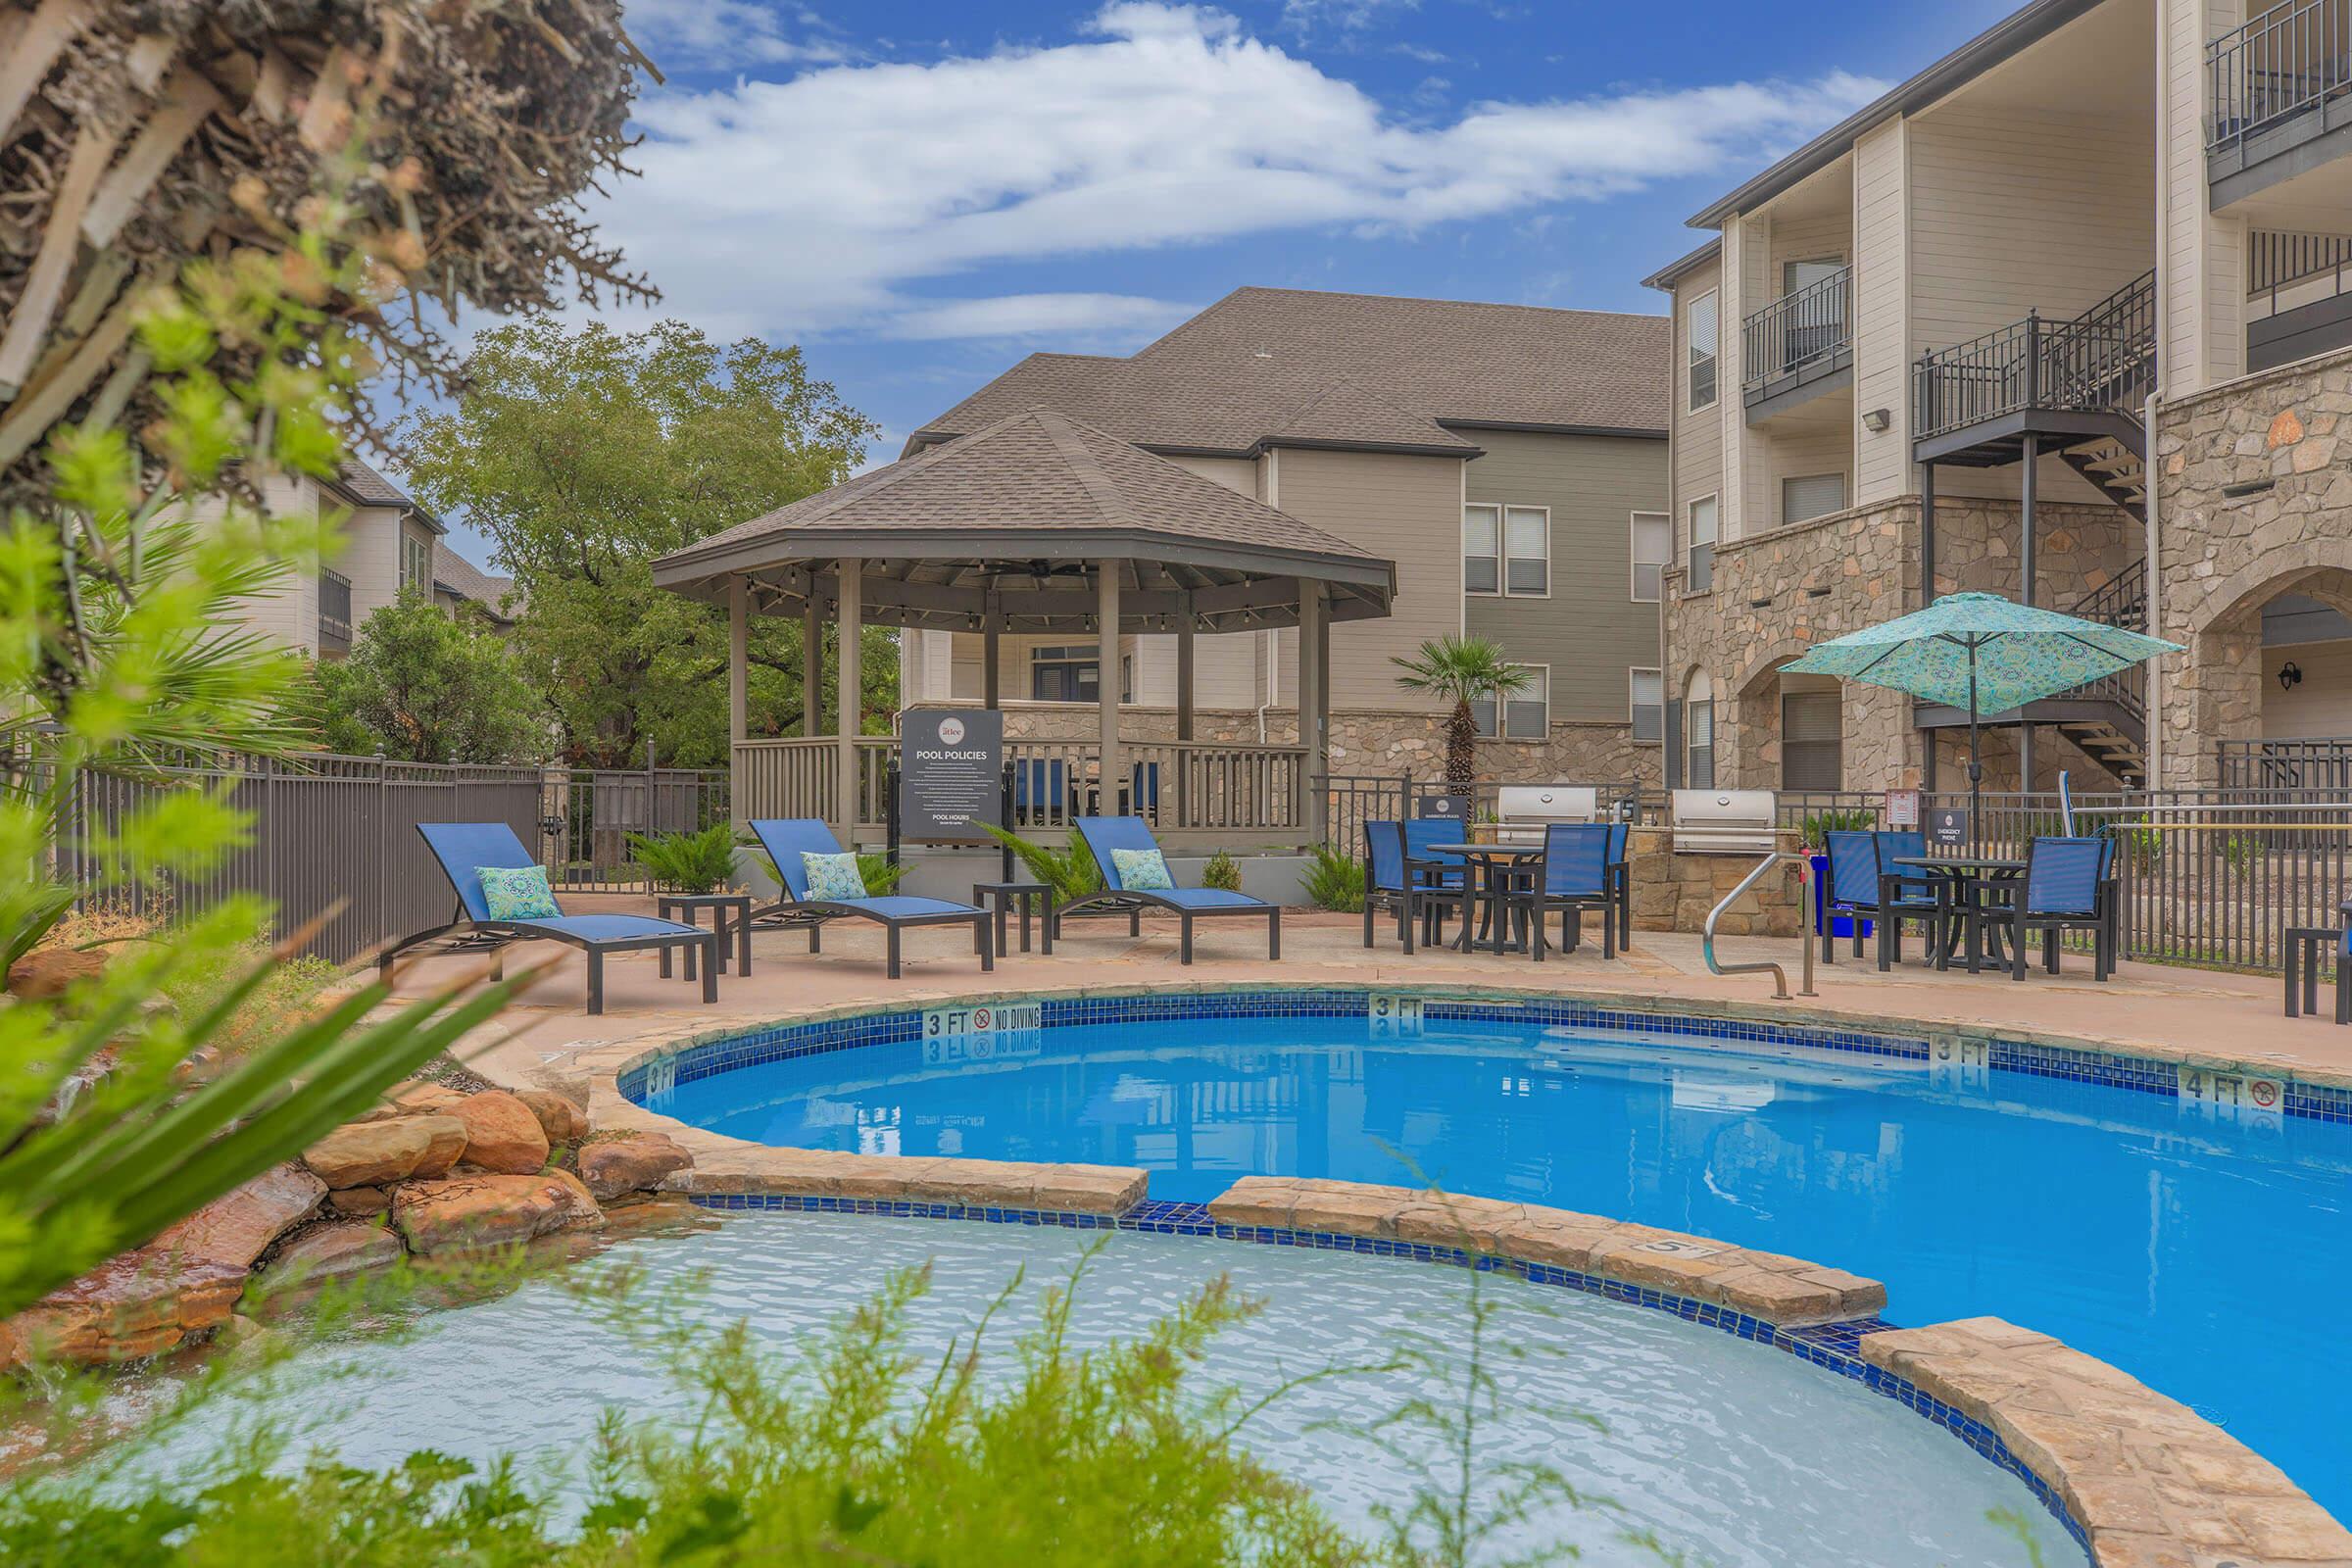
<point x="1072" y="874"/>
<point x="1819" y="825"/>
<point x="687" y="863"/>
<point x="1222" y="873"/>
<point x="1335" y="881"/>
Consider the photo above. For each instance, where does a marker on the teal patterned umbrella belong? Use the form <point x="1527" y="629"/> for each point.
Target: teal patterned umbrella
<point x="1983" y="653"/>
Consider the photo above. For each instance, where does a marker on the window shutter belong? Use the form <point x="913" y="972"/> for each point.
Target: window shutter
<point x="1812" y="495"/>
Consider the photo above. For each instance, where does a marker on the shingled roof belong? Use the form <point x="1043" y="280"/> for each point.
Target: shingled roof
<point x="454" y="573"/>
<point x="1358" y="370"/>
<point x="1031" y="490"/>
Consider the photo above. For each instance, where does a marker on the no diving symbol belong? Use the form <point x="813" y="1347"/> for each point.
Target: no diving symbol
<point x="2265" y="1093"/>
<point x="979" y="1017"/>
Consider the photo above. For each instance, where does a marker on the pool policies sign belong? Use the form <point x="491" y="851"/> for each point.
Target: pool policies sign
<point x="950" y="775"/>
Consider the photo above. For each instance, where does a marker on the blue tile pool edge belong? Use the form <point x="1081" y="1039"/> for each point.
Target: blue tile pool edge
<point x="1833" y="1346"/>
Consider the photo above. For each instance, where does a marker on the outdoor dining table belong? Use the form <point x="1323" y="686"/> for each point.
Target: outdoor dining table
<point x="1497" y="866"/>
<point x="1971" y="877"/>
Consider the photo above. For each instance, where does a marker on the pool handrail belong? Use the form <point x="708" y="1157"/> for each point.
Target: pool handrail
<point x="1780" y="976"/>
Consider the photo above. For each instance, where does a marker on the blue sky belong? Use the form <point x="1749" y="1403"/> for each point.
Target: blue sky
<point x="919" y="192"/>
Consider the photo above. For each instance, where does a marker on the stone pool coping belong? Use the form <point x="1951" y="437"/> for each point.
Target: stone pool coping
<point x="2139" y="1479"/>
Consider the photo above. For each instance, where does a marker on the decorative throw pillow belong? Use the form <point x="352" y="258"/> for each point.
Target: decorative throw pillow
<point x="832" y="877"/>
<point x="518" y="892"/>
<point x="1142" y="871"/>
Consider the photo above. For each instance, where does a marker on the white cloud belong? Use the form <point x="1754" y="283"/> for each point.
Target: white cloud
<point x="1062" y="317"/>
<point x="1303" y="16"/>
<point x="683" y="34"/>
<point x="823" y="203"/>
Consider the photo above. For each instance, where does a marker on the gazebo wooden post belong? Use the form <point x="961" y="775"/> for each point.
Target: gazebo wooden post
<point x="1184" y="707"/>
<point x="739" y="658"/>
<point x="812" y="660"/>
<point x="992" y="638"/>
<point x="1312" y="706"/>
<point x="1107" y="684"/>
<point x="850" y="669"/>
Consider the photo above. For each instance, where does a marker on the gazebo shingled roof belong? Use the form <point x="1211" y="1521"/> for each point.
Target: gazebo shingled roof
<point x="1009" y="518"/>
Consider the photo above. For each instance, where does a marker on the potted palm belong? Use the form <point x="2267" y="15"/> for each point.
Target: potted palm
<point x="1461" y="670"/>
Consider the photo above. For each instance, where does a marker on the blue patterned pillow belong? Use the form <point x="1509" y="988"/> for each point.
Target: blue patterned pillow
<point x="832" y="877"/>
<point x="518" y="892"/>
<point x="1144" y="871"/>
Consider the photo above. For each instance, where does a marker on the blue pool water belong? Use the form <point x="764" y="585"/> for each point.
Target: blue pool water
<point x="2207" y="1256"/>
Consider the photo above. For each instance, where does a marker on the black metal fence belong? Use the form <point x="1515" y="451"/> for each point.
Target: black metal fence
<point x="1796" y="330"/>
<point x="2311" y="763"/>
<point x="332" y="829"/>
<point x="2284" y="61"/>
<point x="2100" y="360"/>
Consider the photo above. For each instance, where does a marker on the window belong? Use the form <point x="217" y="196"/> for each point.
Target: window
<point x="1698" y="327"/>
<point x="1698" y="734"/>
<point x="1064" y="675"/>
<point x="1812" y="495"/>
<point x="1812" y="740"/>
<point x="1527" y="550"/>
<point x="1649" y="706"/>
<point x="1525" y="714"/>
<point x="1654" y="547"/>
<point x="416" y="562"/>
<point x="1482" y="550"/>
<point x="1700" y="577"/>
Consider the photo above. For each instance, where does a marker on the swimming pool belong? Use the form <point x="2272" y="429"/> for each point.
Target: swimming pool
<point x="2202" y="1249"/>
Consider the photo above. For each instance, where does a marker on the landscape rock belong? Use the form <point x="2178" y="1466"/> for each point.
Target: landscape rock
<point x="448" y="1137"/>
<point x="47" y="972"/>
<point x="502" y="1135"/>
<point x="560" y="1119"/>
<point x="466" y="1213"/>
<point x="357" y="1202"/>
<point x="370" y="1154"/>
<point x="136" y="1305"/>
<point x="334" y="1252"/>
<point x="238" y="1227"/>
<point x="632" y="1164"/>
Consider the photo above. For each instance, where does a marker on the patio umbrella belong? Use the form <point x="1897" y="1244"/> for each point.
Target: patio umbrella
<point x="1983" y="653"/>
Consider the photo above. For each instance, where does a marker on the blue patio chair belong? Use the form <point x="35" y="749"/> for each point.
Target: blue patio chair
<point x="1907" y="895"/>
<point x="1578" y="875"/>
<point x="1419" y="890"/>
<point x="1621" y="837"/>
<point x="787" y="838"/>
<point x="2068" y="886"/>
<point x="1105" y="834"/>
<point x="464" y="849"/>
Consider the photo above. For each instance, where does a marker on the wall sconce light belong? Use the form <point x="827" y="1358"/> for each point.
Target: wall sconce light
<point x="1876" y="420"/>
<point x="2290" y="675"/>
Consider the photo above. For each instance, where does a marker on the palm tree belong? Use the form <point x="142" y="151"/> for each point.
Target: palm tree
<point x="1464" y="668"/>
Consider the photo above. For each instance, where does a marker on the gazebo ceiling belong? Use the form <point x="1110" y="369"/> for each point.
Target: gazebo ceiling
<point x="1012" y="521"/>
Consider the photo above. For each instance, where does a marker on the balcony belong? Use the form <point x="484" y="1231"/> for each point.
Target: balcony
<point x="2298" y="296"/>
<point x="1975" y="403"/>
<point x="2281" y="87"/>
<point x="1799" y="347"/>
<point x="334" y="612"/>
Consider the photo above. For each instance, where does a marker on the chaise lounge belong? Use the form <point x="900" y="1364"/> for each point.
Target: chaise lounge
<point x="1138" y="887"/>
<point x="465" y="849"/>
<point x="787" y="839"/>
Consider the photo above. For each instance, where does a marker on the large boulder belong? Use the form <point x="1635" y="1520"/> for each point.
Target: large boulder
<point x="370" y="1154"/>
<point x="631" y="1163"/>
<point x="356" y="1202"/>
<point x="449" y="1136"/>
<point x="502" y="1135"/>
<point x="563" y="1121"/>
<point x="333" y="1252"/>
<point x="133" y="1306"/>
<point x="238" y="1227"/>
<point x="47" y="972"/>
<point x="491" y="1210"/>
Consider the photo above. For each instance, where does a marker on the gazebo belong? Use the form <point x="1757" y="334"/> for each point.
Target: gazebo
<point x="1036" y="523"/>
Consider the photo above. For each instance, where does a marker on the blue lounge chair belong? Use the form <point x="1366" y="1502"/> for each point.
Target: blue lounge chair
<point x="2068" y="886"/>
<point x="1417" y="888"/>
<point x="1864" y="882"/>
<point x="1103" y="834"/>
<point x="464" y="849"/>
<point x="1579" y="874"/>
<point x="787" y="838"/>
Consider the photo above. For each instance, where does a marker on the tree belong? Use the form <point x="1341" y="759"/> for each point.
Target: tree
<point x="583" y="456"/>
<point x="422" y="686"/>
<point x="1461" y="670"/>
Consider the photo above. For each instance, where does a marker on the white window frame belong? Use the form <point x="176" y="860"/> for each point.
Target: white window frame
<point x="1691" y="573"/>
<point x="1665" y="521"/>
<point x="1693" y="707"/>
<point x="1692" y="358"/>
<point x="1634" y="703"/>
<point x="416" y="562"/>
<point x="1504" y="541"/>
<point x="1497" y="711"/>
<point x="1497" y="510"/>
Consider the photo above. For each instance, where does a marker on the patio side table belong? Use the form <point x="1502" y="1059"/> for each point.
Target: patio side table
<point x="2307" y="947"/>
<point x="719" y="904"/>
<point x="997" y="896"/>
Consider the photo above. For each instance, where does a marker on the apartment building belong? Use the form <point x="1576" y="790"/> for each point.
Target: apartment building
<point x="391" y="544"/>
<point x="1949" y="344"/>
<point x="1510" y="459"/>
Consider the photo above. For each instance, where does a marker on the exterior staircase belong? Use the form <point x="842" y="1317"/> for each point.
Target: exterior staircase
<point x="2108" y="719"/>
<point x="2118" y="466"/>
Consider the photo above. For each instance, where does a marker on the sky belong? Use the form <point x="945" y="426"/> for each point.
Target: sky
<point x="920" y="193"/>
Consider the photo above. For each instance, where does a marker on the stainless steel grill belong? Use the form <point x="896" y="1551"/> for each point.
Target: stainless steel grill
<point x="1724" y="821"/>
<point x="1522" y="812"/>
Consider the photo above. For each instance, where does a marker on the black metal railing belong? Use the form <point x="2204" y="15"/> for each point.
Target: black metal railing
<point x="2104" y="358"/>
<point x="2306" y="762"/>
<point x="1797" y="330"/>
<point x="2291" y="58"/>
<point x="334" y="610"/>
<point x="2121" y="601"/>
<point x="2278" y="260"/>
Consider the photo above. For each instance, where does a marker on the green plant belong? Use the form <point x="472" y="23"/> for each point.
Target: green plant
<point x="689" y="862"/>
<point x="1335" y="881"/>
<point x="1071" y="873"/>
<point x="1819" y="825"/>
<point x="422" y="686"/>
<point x="1461" y="670"/>
<point x="1221" y="872"/>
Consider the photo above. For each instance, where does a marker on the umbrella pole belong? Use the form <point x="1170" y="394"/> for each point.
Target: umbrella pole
<point x="1976" y="764"/>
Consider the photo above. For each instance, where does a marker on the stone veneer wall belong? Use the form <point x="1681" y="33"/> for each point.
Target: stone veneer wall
<point x="1675" y="892"/>
<point x="2225" y="557"/>
<point x="1776" y="594"/>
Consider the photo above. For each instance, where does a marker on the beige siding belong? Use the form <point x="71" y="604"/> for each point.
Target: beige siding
<point x="2204" y="256"/>
<point x="1225" y="668"/>
<point x="1824" y="237"/>
<point x="2322" y="705"/>
<point x="1590" y="630"/>
<point x="1407" y="509"/>
<point x="1744" y="255"/>
<point x="1698" y="437"/>
<point x="291" y="615"/>
<point x="1797" y="454"/>
<point x="1882" y="338"/>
